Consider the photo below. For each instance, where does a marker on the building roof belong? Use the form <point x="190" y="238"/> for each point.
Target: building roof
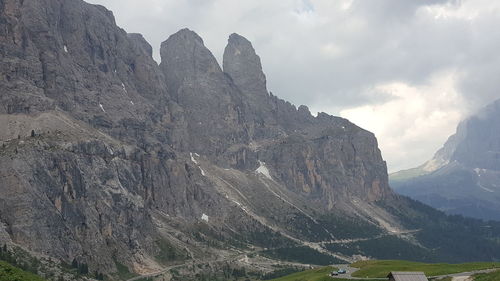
<point x="407" y="276"/>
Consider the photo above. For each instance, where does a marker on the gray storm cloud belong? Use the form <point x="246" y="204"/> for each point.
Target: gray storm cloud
<point x="406" y="70"/>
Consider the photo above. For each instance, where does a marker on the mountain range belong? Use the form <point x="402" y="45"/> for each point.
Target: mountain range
<point x="111" y="160"/>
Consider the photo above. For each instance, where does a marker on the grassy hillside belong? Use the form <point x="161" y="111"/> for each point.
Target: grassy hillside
<point x="11" y="273"/>
<point x="319" y="274"/>
<point x="380" y="268"/>
<point x="494" y="276"/>
<point x="404" y="175"/>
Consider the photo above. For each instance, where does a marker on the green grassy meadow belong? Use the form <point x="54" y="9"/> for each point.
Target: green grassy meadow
<point x="319" y="274"/>
<point x="381" y="268"/>
<point x="493" y="276"/>
<point x="11" y="273"/>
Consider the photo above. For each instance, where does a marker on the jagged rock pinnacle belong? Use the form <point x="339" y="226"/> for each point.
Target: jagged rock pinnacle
<point x="183" y="55"/>
<point x="243" y="65"/>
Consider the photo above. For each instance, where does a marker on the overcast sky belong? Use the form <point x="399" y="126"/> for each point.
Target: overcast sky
<point x="407" y="70"/>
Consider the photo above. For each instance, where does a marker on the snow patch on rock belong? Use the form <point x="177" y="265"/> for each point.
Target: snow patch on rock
<point x="485" y="188"/>
<point x="204" y="217"/>
<point x="479" y="171"/>
<point x="192" y="158"/>
<point x="262" y="169"/>
<point x="196" y="162"/>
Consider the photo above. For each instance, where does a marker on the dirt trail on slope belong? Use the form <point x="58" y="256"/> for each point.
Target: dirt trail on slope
<point x="461" y="278"/>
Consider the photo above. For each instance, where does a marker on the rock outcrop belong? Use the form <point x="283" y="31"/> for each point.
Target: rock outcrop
<point x="243" y="65"/>
<point x="212" y="113"/>
<point x="231" y="116"/>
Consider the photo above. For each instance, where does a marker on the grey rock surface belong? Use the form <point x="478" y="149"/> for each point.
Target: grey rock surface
<point x="243" y="65"/>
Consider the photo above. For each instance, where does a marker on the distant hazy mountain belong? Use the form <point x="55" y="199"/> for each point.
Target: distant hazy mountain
<point x="464" y="175"/>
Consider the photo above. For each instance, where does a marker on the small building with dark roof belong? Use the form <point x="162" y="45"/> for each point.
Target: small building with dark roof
<point x="406" y="276"/>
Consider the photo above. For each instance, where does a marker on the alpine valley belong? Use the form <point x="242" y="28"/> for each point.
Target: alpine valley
<point x="118" y="166"/>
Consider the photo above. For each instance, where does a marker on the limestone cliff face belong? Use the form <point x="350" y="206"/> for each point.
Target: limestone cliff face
<point x="325" y="158"/>
<point x="105" y="155"/>
<point x="103" y="123"/>
<point x="71" y="56"/>
<point x="212" y="106"/>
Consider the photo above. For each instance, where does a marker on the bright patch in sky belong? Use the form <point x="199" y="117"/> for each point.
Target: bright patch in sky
<point x="414" y="119"/>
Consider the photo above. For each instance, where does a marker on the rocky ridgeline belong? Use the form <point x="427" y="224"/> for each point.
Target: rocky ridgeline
<point x="107" y="157"/>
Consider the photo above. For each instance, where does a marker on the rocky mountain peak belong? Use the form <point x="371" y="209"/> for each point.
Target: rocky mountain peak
<point x="141" y="43"/>
<point x="477" y="144"/>
<point x="243" y="65"/>
<point x="188" y="35"/>
<point x="474" y="143"/>
<point x="183" y="55"/>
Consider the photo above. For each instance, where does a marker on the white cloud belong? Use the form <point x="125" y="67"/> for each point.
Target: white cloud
<point x="332" y="50"/>
<point x="462" y="10"/>
<point x="417" y="120"/>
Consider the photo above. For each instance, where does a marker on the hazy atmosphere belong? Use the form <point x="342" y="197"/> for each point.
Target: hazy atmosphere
<point x="406" y="70"/>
